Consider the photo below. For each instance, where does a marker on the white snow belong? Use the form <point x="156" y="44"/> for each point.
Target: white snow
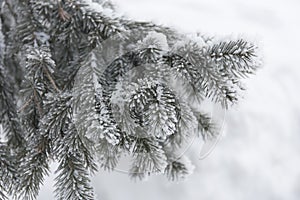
<point x="155" y="40"/>
<point x="259" y="157"/>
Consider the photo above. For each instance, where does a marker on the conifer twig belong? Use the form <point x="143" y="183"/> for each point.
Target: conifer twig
<point x="51" y="79"/>
<point x="25" y="105"/>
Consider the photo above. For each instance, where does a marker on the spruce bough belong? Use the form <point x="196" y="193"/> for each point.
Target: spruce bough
<point x="82" y="86"/>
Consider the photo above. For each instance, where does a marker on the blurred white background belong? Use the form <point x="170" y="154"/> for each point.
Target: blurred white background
<point x="259" y="156"/>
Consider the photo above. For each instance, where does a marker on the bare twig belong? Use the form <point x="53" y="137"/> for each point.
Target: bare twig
<point x="25" y="105"/>
<point x="37" y="102"/>
<point x="62" y="13"/>
<point x="51" y="79"/>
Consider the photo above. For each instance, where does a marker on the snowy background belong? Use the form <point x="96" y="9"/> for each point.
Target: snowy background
<point x="259" y="155"/>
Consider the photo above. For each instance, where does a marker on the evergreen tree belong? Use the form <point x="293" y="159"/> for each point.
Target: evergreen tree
<point x="83" y="86"/>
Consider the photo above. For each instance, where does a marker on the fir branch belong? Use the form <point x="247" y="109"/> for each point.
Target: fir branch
<point x="12" y="149"/>
<point x="75" y="143"/>
<point x="108" y="154"/>
<point x="206" y="127"/>
<point x="38" y="80"/>
<point x="72" y="181"/>
<point x="39" y="64"/>
<point x="149" y="157"/>
<point x="191" y="76"/>
<point x="8" y="113"/>
<point x="27" y="25"/>
<point x="186" y="127"/>
<point x="32" y="108"/>
<point x="33" y="168"/>
<point x="92" y="113"/>
<point x="8" y="108"/>
<point x="116" y="69"/>
<point x="155" y="107"/>
<point x="7" y="172"/>
<point x="75" y="165"/>
<point x="80" y="84"/>
<point x="110" y="129"/>
<point x="98" y="24"/>
<point x="213" y="83"/>
<point x="234" y="57"/>
<point x="176" y="170"/>
<point x="58" y="116"/>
